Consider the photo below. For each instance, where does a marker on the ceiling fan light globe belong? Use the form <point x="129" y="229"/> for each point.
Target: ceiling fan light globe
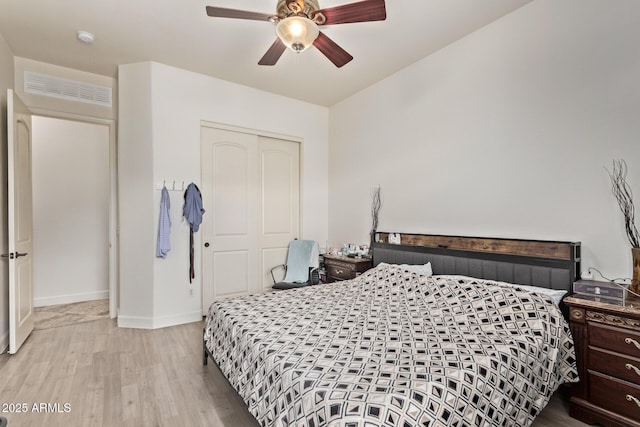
<point x="297" y="32"/>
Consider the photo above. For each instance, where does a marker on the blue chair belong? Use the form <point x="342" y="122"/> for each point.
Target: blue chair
<point x="302" y="265"/>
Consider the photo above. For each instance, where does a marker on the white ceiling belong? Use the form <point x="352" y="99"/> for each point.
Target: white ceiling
<point x="180" y="34"/>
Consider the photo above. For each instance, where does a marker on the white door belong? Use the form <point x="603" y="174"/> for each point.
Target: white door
<point x="229" y="178"/>
<point x="20" y="218"/>
<point x="279" y="203"/>
<point x="250" y="190"/>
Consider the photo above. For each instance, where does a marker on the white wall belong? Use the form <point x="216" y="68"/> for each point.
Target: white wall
<point x="70" y="163"/>
<point x="178" y="101"/>
<point x="6" y="82"/>
<point x="504" y="133"/>
<point x="135" y="198"/>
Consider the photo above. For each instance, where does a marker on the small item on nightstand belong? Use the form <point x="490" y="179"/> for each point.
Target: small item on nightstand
<point x="345" y="249"/>
<point x="586" y="275"/>
<point x="363" y="251"/>
<point x="610" y="290"/>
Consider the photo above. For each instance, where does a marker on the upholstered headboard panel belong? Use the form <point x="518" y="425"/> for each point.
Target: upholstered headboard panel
<point x="553" y="265"/>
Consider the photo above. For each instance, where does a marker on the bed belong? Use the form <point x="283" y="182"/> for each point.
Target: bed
<point x="396" y="347"/>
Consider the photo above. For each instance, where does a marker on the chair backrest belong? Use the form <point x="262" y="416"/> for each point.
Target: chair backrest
<point x="302" y="255"/>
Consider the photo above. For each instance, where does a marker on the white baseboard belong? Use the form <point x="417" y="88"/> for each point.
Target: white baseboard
<point x="135" y="322"/>
<point x="158" y="322"/>
<point x="178" y="319"/>
<point x="71" y="298"/>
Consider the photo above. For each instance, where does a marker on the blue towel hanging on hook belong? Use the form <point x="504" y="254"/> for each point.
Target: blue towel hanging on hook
<point x="193" y="212"/>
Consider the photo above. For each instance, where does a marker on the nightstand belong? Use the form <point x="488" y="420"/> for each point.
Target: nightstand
<point x="607" y="344"/>
<point x="345" y="268"/>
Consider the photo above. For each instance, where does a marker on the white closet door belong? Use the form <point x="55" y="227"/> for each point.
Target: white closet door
<point x="279" y="202"/>
<point x="229" y="227"/>
<point x="250" y="190"/>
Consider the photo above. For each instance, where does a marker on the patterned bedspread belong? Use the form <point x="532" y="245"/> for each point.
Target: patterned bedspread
<point x="391" y="348"/>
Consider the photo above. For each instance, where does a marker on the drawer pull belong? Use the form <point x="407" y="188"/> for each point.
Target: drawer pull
<point x="632" y="341"/>
<point x="340" y="272"/>
<point x="633" y="399"/>
<point x="630" y="367"/>
<point x="577" y="314"/>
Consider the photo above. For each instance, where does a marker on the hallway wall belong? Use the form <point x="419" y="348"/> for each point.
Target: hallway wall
<point x="70" y="211"/>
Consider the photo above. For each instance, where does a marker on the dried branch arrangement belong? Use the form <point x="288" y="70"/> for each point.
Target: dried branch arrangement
<point x="376" y="204"/>
<point x="622" y="192"/>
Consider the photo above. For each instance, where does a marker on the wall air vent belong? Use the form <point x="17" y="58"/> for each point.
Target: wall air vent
<point x="70" y="90"/>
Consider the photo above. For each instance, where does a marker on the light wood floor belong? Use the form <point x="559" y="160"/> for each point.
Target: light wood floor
<point x="53" y="316"/>
<point x="111" y="376"/>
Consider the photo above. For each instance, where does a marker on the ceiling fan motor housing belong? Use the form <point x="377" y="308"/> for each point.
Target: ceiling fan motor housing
<point x="291" y="7"/>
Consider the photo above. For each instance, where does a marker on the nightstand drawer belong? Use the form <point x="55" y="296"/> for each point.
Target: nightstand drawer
<point x="340" y="272"/>
<point x="616" y="339"/>
<point x="617" y="396"/>
<point x="617" y="365"/>
<point x="344" y="268"/>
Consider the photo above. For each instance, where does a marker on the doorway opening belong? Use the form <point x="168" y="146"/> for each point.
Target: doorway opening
<point x="73" y="220"/>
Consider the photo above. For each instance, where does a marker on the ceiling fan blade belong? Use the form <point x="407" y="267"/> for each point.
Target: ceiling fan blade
<point x="221" y="12"/>
<point x="362" y="11"/>
<point x="273" y="54"/>
<point x="331" y="50"/>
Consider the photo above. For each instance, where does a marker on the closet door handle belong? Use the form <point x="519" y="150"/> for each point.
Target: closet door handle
<point x="206" y="245"/>
<point x="18" y="254"/>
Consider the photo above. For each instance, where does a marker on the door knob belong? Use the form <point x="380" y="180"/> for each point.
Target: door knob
<point x="206" y="245"/>
<point x="13" y="255"/>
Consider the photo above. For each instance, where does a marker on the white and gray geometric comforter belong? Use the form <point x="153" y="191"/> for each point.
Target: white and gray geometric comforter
<point x="391" y="348"/>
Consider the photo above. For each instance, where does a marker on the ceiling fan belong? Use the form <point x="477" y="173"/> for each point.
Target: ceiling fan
<point x="297" y="23"/>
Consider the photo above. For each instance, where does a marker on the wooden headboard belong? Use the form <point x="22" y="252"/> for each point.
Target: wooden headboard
<point x="548" y="264"/>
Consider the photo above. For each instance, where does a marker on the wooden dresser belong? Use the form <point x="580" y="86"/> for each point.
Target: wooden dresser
<point x="607" y="344"/>
<point x="344" y="268"/>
